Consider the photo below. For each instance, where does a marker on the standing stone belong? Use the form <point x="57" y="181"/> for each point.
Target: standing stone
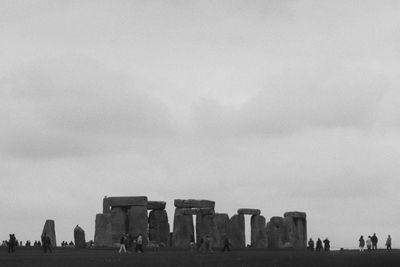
<point x="49" y="230"/>
<point x="206" y="226"/>
<point x="159" y="226"/>
<point x="276" y="232"/>
<point x="156" y="205"/>
<point x="79" y="237"/>
<point x="296" y="225"/>
<point x="258" y="232"/>
<point x="183" y="229"/>
<point x="119" y="224"/>
<point x="222" y="221"/>
<point x="103" y="236"/>
<point x="236" y="231"/>
<point x="138" y="222"/>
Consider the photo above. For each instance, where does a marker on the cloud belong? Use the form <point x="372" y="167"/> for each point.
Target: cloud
<point x="73" y="105"/>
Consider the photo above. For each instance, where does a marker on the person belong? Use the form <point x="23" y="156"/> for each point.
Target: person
<point x="369" y="243"/>
<point x="11" y="243"/>
<point x="122" y="244"/>
<point x="46" y="243"/>
<point x="361" y="243"/>
<point x="374" y="240"/>
<point x="389" y="243"/>
<point x="318" y="245"/>
<point x="226" y="244"/>
<point x="311" y="244"/>
<point x="139" y="244"/>
<point x="326" y="244"/>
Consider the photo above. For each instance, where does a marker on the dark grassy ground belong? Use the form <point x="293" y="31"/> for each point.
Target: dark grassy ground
<point x="105" y="257"/>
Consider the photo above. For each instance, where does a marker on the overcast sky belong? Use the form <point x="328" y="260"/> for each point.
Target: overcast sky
<point x="277" y="105"/>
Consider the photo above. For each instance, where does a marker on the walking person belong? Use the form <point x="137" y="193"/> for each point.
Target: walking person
<point x="389" y="243"/>
<point x="226" y="244"/>
<point x="374" y="240"/>
<point x="319" y="245"/>
<point x="369" y="243"/>
<point x="311" y="244"/>
<point x="122" y="243"/>
<point x="361" y="243"/>
<point x="139" y="244"/>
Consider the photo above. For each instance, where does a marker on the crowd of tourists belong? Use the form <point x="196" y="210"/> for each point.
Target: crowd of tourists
<point x="318" y="245"/>
<point x="372" y="243"/>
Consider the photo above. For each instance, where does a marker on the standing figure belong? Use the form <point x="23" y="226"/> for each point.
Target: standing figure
<point x="11" y="243"/>
<point x="318" y="245"/>
<point x="122" y="243"/>
<point x="139" y="244"/>
<point x="374" y="240"/>
<point x="361" y="243"/>
<point x="226" y="244"/>
<point x="369" y="243"/>
<point x="389" y="243"/>
<point x="327" y="244"/>
<point x="311" y="244"/>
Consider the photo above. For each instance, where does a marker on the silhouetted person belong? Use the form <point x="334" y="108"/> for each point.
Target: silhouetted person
<point x="389" y="243"/>
<point x="139" y="244"/>
<point x="226" y="244"/>
<point x="11" y="243"/>
<point x="327" y="245"/>
<point x="374" y="240"/>
<point x="318" y="245"/>
<point x="311" y="244"/>
<point x="361" y="243"/>
<point x="369" y="243"/>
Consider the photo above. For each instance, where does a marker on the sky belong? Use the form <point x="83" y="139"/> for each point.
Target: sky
<point x="275" y="105"/>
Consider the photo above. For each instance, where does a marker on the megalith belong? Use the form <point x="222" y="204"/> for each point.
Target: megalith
<point x="258" y="232"/>
<point x="183" y="229"/>
<point x="296" y="226"/>
<point x="138" y="222"/>
<point x="79" y="237"/>
<point x="276" y="232"/>
<point x="50" y="231"/>
<point x="249" y="211"/>
<point x="119" y="224"/>
<point x="236" y="231"/>
<point x="159" y="226"/>
<point x="103" y="235"/>
<point x="206" y="226"/>
<point x="221" y="222"/>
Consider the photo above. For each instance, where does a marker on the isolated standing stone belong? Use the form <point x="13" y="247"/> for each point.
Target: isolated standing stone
<point x="138" y="222"/>
<point x="49" y="230"/>
<point x="258" y="232"/>
<point x="79" y="237"/>
<point x="119" y="224"/>
<point x="102" y="236"/>
<point x="236" y="231"/>
<point x="183" y="229"/>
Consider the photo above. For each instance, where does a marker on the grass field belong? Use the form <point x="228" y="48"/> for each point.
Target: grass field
<point x="33" y="257"/>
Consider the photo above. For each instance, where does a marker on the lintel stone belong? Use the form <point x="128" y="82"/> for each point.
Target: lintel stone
<point x="194" y="203"/>
<point x="249" y="211"/>
<point x="127" y="201"/>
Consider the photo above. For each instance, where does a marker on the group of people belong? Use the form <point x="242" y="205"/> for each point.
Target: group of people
<point x="372" y="242"/>
<point x="126" y="242"/>
<point x="11" y="243"/>
<point x="318" y="245"/>
<point x="66" y="244"/>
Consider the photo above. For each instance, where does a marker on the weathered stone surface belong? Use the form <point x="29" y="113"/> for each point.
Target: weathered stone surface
<point x="194" y="203"/>
<point x="295" y="214"/>
<point x="50" y="230"/>
<point x="183" y="229"/>
<point x="156" y="205"/>
<point x="249" y="211"/>
<point x="197" y="211"/>
<point x="296" y="225"/>
<point x="138" y="222"/>
<point x="276" y="233"/>
<point x="222" y="221"/>
<point x="106" y="206"/>
<point x="206" y="211"/>
<point x="127" y="201"/>
<point x="79" y="237"/>
<point x="102" y="236"/>
<point x="236" y="231"/>
<point x="258" y="232"/>
<point x="159" y="226"/>
<point x="189" y="211"/>
<point x="119" y="224"/>
<point x="206" y="226"/>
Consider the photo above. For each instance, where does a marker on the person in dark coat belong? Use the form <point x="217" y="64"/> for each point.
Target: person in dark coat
<point x="311" y="244"/>
<point x="374" y="240"/>
<point x="318" y="245"/>
<point x="327" y="245"/>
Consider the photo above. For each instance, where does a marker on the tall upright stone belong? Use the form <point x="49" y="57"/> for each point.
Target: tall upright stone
<point x="138" y="222"/>
<point x="206" y="226"/>
<point x="258" y="232"/>
<point x="79" y="237"/>
<point x="159" y="226"/>
<point x="50" y="230"/>
<point x="236" y="231"/>
<point x="222" y="221"/>
<point x="296" y="226"/>
<point x="276" y="232"/>
<point x="119" y="224"/>
<point x="183" y="229"/>
<point x="103" y="234"/>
